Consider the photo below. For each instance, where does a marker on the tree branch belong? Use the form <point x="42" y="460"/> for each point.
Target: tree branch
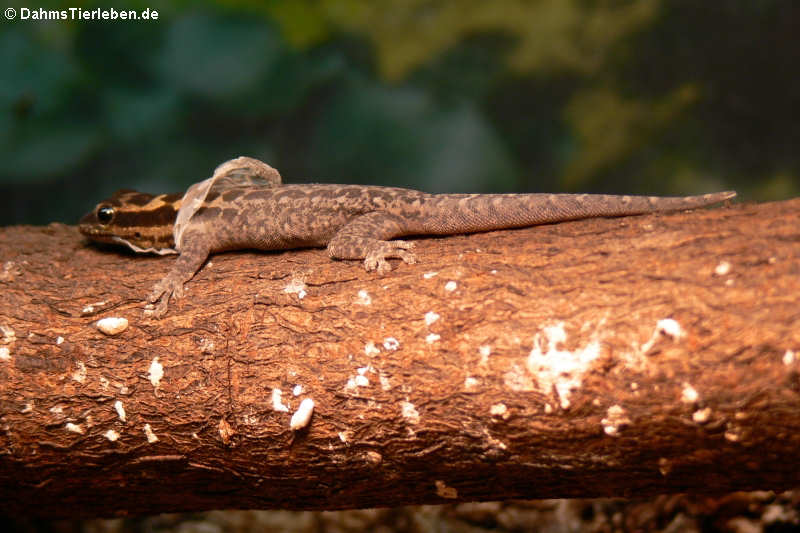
<point x="629" y="356"/>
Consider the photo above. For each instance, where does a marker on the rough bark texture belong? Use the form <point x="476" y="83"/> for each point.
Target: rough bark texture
<point x="533" y="363"/>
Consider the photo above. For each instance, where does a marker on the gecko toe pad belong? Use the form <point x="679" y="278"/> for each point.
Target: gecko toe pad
<point x="380" y="251"/>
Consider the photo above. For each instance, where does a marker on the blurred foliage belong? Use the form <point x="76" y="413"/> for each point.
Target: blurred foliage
<point x="669" y="97"/>
<point x="548" y="34"/>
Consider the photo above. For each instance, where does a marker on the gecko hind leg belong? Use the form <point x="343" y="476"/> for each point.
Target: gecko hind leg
<point x="366" y="237"/>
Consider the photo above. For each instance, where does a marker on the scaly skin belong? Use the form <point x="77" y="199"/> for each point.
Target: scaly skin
<point x="244" y="206"/>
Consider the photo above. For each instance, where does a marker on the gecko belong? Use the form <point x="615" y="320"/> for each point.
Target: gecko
<point x="245" y="205"/>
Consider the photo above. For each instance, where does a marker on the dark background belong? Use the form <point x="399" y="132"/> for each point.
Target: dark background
<point x="658" y="97"/>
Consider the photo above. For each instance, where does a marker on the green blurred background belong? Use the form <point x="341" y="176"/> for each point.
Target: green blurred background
<point x="650" y="96"/>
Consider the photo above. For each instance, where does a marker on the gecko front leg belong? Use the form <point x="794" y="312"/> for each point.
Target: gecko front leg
<point x="365" y="237"/>
<point x="193" y="254"/>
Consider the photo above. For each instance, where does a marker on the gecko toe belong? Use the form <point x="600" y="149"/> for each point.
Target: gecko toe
<point x="407" y="257"/>
<point x="377" y="264"/>
<point x="163" y="291"/>
<point x="154" y="295"/>
<point x="161" y="308"/>
<point x="376" y="257"/>
<point x="384" y="267"/>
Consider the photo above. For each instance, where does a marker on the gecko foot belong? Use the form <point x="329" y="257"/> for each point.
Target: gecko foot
<point x="380" y="251"/>
<point x="165" y="289"/>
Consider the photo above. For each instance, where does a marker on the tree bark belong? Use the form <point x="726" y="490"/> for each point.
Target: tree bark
<point x="605" y="357"/>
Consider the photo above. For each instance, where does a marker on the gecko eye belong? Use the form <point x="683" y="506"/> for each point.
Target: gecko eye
<point x="105" y="214"/>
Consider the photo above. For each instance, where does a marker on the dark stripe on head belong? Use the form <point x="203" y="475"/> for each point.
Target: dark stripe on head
<point x="161" y="216"/>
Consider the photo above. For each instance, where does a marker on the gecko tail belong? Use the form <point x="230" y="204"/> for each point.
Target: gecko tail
<point x="466" y="213"/>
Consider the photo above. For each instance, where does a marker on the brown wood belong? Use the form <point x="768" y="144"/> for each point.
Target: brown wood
<point x="546" y="374"/>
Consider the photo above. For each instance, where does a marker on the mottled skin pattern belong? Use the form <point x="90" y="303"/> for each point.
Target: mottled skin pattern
<point x="352" y="221"/>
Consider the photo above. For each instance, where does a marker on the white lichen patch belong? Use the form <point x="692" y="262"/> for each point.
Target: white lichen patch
<point x="9" y="271"/>
<point x="431" y="317"/>
<point x="689" y="394"/>
<point x="409" y="412"/>
<point x="360" y="379"/>
<point x="386" y="384"/>
<point x="155" y="372"/>
<point x="89" y="309"/>
<point x="74" y="428"/>
<point x="667" y="327"/>
<point x="345" y="436"/>
<point x="732" y="435"/>
<point x="277" y="404"/>
<point x="59" y="340"/>
<point x="111" y="435"/>
<point x="556" y="369"/>
<point x="112" y="325"/>
<point x="296" y="286"/>
<point x="302" y="416"/>
<point x="148" y="432"/>
<point x="471" y="382"/>
<point x="357" y="381"/>
<point x="788" y="357"/>
<point x="80" y="374"/>
<point x="670" y="328"/>
<point x="450" y="286"/>
<point x="499" y="409"/>
<point x="391" y="344"/>
<point x="118" y="407"/>
<point x="615" y="420"/>
<point x="226" y="431"/>
<point x="370" y="350"/>
<point x="429" y="275"/>
<point x="57" y="409"/>
<point x="722" y="268"/>
<point x="372" y="457"/>
<point x="5" y="353"/>
<point x="432" y="337"/>
<point x="9" y="335"/>
<point x="443" y="491"/>
<point x="364" y="298"/>
<point x="206" y="346"/>
<point x="485" y="351"/>
<point x="297" y="390"/>
<point x="701" y="416"/>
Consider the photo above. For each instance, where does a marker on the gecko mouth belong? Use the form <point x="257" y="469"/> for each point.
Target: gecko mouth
<point x="138" y="243"/>
<point x="95" y="233"/>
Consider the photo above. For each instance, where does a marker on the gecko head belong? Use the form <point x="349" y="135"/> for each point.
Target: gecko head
<point x="143" y="222"/>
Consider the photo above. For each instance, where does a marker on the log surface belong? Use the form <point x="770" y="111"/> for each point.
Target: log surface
<point x="605" y="357"/>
